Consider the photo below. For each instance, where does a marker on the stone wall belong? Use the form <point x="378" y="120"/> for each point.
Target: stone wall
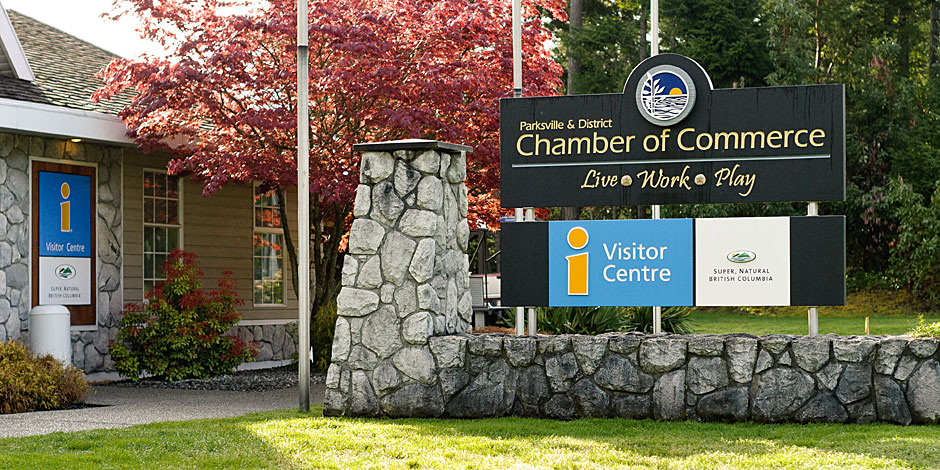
<point x="274" y="342"/>
<point x="668" y="377"/>
<point x="405" y="279"/>
<point x="89" y="348"/>
<point x="401" y="347"/>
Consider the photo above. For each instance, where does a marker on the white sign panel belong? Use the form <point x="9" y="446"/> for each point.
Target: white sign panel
<point x="64" y="281"/>
<point x="742" y="261"/>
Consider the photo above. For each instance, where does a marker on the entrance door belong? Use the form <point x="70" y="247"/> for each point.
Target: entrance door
<point x="63" y="254"/>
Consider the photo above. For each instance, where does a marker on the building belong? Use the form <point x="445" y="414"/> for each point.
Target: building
<point x="56" y="142"/>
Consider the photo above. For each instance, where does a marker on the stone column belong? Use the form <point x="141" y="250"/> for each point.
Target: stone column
<point x="405" y="279"/>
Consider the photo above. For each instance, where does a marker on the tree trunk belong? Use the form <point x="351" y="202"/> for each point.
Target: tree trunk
<point x="574" y="28"/>
<point x="575" y="22"/>
<point x="934" y="35"/>
<point x="324" y="250"/>
<point x="570" y="213"/>
<point x="644" y="51"/>
<point x="288" y="238"/>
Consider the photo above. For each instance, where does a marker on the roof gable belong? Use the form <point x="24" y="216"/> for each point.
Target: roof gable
<point x="64" y="66"/>
<point x="13" y="62"/>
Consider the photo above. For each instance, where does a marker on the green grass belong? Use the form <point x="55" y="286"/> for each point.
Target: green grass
<point x="890" y="312"/>
<point x="722" y="323"/>
<point x="289" y="439"/>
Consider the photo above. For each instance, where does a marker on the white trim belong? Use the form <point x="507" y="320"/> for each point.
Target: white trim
<point x="281" y="321"/>
<point x="62" y="160"/>
<point x="24" y="116"/>
<point x="262" y="365"/>
<point x="123" y="236"/>
<point x="13" y="49"/>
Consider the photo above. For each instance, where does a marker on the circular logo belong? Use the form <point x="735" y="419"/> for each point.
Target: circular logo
<point x="742" y="256"/>
<point x="65" y="271"/>
<point x="665" y="95"/>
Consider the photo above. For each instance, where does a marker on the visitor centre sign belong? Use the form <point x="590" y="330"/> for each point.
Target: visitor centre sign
<point x="670" y="138"/>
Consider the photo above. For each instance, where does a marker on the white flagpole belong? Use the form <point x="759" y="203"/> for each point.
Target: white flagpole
<point x="654" y="50"/>
<point x="517" y="93"/>
<point x="303" y="208"/>
<point x="517" y="53"/>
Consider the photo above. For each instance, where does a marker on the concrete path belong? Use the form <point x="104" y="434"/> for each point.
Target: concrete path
<point x="128" y="406"/>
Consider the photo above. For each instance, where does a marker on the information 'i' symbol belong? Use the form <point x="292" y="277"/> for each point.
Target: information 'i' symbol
<point x="578" y="263"/>
<point x="65" y="208"/>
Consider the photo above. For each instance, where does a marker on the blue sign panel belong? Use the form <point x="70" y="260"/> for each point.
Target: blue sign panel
<point x="620" y="262"/>
<point x="64" y="215"/>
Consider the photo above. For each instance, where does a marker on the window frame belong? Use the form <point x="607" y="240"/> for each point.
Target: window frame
<point x="255" y="229"/>
<point x="145" y="225"/>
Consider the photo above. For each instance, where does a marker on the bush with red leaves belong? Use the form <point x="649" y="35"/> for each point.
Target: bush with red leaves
<point x="179" y="333"/>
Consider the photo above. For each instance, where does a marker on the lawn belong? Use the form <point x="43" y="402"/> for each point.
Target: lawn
<point x="889" y="312"/>
<point x="289" y="439"/>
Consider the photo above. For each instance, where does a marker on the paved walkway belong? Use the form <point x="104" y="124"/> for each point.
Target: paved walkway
<point x="127" y="406"/>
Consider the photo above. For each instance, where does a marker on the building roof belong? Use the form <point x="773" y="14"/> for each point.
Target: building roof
<point x="64" y="68"/>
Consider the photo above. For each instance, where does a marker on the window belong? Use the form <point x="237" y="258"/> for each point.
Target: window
<point x="268" y="249"/>
<point x="161" y="224"/>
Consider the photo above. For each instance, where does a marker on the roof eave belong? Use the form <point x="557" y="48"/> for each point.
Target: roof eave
<point x="37" y="118"/>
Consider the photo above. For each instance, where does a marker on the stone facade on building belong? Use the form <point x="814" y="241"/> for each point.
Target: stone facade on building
<point x="275" y="342"/>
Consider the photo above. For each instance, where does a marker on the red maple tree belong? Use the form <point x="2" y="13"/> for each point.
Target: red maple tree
<point x="379" y="70"/>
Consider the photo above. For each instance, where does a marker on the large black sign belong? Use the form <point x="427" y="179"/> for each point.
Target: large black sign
<point x="670" y="138"/>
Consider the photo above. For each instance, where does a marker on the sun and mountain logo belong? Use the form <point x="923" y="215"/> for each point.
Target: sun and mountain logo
<point x="742" y="256"/>
<point x="665" y="95"/>
<point x="65" y="271"/>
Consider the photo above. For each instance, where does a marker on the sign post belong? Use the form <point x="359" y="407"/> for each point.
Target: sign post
<point x="303" y="208"/>
<point x="812" y="210"/>
<point x="654" y="50"/>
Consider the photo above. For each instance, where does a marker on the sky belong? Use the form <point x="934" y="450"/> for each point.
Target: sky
<point x="82" y="19"/>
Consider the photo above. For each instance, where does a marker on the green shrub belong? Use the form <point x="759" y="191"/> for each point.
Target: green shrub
<point x="180" y="332"/>
<point x="915" y="258"/>
<point x="599" y="320"/>
<point x="925" y="330"/>
<point x="34" y="383"/>
<point x="321" y="336"/>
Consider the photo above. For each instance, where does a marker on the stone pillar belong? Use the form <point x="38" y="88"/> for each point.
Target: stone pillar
<point x="405" y="279"/>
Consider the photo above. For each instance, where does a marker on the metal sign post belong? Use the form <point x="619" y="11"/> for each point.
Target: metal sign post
<point x="303" y="208"/>
<point x="654" y="50"/>
<point x="527" y="213"/>
<point x="520" y="311"/>
<point x="812" y="210"/>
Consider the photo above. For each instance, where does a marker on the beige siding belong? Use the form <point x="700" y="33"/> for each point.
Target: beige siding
<point x="217" y="228"/>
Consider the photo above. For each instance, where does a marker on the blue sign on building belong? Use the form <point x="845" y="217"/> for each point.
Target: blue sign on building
<point x="623" y="262"/>
<point x="64" y="215"/>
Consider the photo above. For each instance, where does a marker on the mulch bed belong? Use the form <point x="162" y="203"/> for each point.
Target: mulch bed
<point x="257" y="380"/>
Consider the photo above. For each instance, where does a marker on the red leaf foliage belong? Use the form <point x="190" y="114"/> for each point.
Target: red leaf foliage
<point x="379" y="70"/>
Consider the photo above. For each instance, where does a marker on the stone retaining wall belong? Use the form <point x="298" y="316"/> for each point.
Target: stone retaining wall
<point x="668" y="377"/>
<point x="274" y="342"/>
<point x="401" y="347"/>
